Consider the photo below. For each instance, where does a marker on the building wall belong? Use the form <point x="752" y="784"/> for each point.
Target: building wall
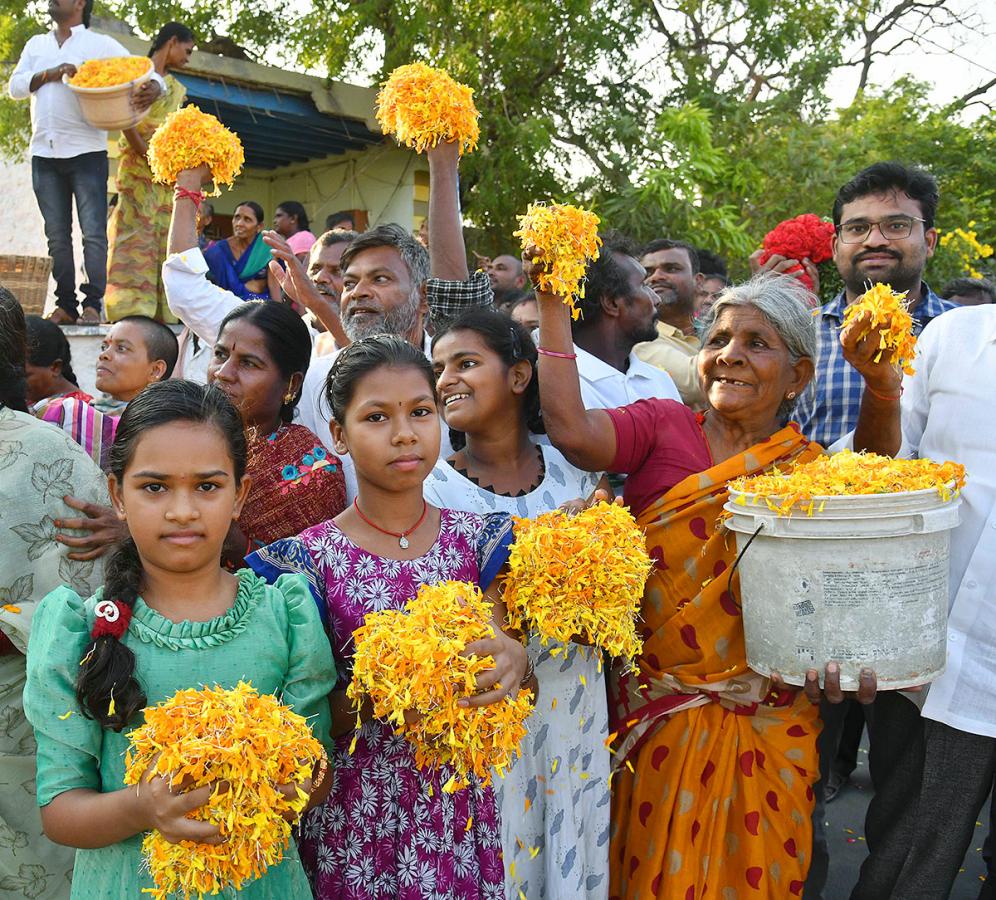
<point x="22" y="230"/>
<point x="381" y="180"/>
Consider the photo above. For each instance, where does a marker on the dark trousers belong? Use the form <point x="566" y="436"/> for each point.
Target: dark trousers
<point x="845" y="761"/>
<point x="838" y="745"/>
<point x="931" y="782"/>
<point x="988" y="891"/>
<point x="56" y="183"/>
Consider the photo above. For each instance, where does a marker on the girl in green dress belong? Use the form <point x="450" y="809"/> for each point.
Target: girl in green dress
<point x="168" y="617"/>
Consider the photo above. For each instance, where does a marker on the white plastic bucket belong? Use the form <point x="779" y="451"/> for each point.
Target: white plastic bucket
<point x="110" y="108"/>
<point x="863" y="581"/>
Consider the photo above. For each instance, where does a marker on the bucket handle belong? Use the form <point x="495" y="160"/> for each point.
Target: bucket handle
<point x="736" y="562"/>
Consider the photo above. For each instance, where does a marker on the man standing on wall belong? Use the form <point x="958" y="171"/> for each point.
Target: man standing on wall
<point x="68" y="156"/>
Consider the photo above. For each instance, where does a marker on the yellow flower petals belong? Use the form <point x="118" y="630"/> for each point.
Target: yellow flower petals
<point x="97" y="73"/>
<point x="568" y="237"/>
<point x="190" y="138"/>
<point x="580" y="575"/>
<point x="848" y="473"/>
<point x="251" y="742"/>
<point x="889" y="315"/>
<point x="411" y="660"/>
<point x="422" y="106"/>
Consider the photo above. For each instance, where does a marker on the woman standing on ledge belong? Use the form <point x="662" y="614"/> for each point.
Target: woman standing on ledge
<point x="136" y="233"/>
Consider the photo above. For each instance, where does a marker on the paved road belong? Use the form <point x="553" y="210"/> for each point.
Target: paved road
<point x="845" y="831"/>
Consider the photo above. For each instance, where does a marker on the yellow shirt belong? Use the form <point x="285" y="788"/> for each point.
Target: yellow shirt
<point x="675" y="352"/>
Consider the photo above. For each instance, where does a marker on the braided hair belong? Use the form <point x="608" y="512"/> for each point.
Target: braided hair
<point x="513" y="344"/>
<point x="107" y="668"/>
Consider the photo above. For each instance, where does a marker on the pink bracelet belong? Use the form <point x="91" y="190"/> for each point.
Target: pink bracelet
<point x="543" y="352"/>
<point x="875" y="393"/>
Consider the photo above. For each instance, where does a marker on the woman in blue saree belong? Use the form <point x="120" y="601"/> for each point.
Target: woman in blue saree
<point x="240" y="264"/>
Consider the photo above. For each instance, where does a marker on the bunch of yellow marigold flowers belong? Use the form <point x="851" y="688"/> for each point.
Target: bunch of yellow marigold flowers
<point x="189" y="138"/>
<point x="247" y="744"/>
<point x="411" y="660"/>
<point x="115" y="70"/>
<point x="580" y="576"/>
<point x="422" y="106"/>
<point x="886" y="311"/>
<point x="848" y="473"/>
<point x="568" y="238"/>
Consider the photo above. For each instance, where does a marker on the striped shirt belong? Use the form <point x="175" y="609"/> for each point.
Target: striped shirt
<point x="828" y="409"/>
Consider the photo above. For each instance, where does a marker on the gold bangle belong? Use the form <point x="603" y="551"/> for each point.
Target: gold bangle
<point x="318" y="779"/>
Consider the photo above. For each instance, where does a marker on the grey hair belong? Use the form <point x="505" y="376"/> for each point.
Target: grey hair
<point x="784" y="301"/>
<point x="413" y="254"/>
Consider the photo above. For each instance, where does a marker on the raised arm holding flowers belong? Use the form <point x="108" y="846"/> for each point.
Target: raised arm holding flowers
<point x="756" y="358"/>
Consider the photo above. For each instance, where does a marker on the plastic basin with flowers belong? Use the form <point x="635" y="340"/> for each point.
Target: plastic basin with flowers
<point x="111" y="108"/>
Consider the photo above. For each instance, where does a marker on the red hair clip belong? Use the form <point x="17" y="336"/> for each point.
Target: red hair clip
<point x="112" y="618"/>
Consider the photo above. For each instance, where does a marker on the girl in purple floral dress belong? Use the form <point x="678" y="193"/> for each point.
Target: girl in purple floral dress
<point x="388" y="829"/>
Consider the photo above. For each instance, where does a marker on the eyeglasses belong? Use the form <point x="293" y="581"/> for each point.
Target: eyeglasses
<point x="894" y="228"/>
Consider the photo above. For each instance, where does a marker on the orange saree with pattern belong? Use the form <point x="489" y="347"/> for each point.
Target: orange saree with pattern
<point x="712" y="792"/>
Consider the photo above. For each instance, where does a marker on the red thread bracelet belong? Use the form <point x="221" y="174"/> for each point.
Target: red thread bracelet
<point x="875" y="393"/>
<point x="543" y="352"/>
<point x="184" y="194"/>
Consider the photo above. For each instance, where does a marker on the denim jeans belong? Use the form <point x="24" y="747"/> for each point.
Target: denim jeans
<point x="56" y="182"/>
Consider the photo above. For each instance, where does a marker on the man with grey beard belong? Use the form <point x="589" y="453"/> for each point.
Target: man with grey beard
<point x="390" y="283"/>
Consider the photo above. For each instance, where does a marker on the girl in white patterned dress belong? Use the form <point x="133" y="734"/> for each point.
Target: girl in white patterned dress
<point x="555" y="800"/>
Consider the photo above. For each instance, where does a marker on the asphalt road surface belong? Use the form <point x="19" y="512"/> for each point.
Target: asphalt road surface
<point x="845" y="832"/>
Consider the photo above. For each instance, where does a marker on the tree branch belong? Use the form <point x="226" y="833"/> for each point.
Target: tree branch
<point x="970" y="97"/>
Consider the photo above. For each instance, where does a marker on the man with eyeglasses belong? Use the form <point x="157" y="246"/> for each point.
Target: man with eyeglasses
<point x="884" y="218"/>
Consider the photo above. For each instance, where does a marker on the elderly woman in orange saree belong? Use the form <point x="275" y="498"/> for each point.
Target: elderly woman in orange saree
<point x="712" y="792"/>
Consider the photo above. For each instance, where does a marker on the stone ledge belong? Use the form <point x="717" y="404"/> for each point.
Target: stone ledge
<point x="102" y="329"/>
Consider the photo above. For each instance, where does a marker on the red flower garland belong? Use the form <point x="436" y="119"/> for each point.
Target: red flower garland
<point x="804" y="237"/>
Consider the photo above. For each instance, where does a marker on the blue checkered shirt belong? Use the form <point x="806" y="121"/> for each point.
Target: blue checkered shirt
<point x="828" y="409"/>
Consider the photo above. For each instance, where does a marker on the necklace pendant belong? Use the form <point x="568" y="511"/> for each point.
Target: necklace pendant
<point x="403" y="542"/>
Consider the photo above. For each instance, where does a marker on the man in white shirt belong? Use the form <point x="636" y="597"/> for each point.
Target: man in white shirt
<point x="618" y="311"/>
<point x="68" y="156"/>
<point x="934" y="768"/>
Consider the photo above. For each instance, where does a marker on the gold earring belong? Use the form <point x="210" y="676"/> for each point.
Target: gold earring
<point x="288" y="397"/>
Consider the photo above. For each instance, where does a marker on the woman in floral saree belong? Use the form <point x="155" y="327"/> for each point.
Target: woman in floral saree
<point x="712" y="790"/>
<point x="139" y="224"/>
